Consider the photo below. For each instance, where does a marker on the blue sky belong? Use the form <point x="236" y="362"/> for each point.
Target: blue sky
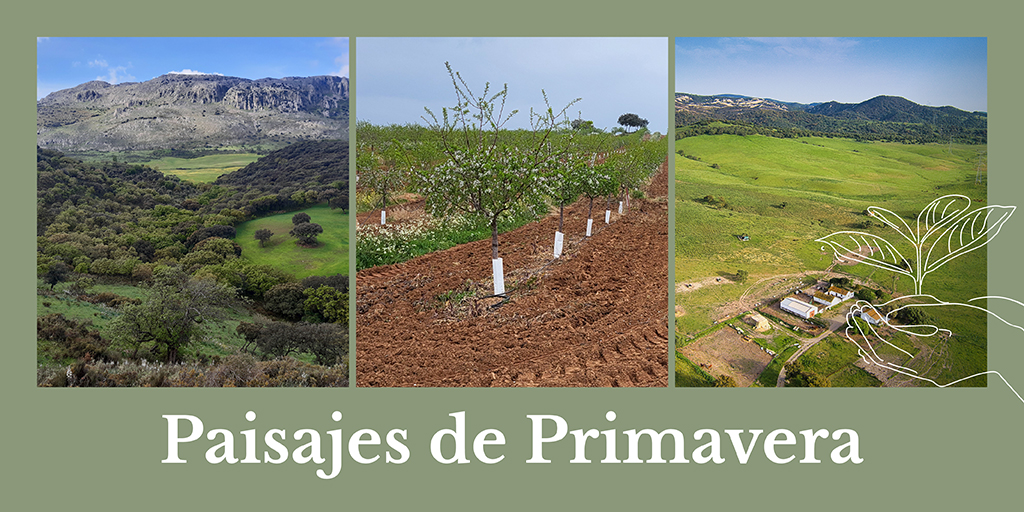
<point x="397" y="77"/>
<point x="64" y="62"/>
<point x="930" y="71"/>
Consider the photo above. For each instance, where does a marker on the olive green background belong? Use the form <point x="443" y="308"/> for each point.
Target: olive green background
<point x="923" y="449"/>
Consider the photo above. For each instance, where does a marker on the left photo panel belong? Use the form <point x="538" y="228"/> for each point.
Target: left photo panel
<point x="192" y="212"/>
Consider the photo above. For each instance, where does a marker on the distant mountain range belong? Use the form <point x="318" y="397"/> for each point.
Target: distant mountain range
<point x="193" y="111"/>
<point x="881" y="117"/>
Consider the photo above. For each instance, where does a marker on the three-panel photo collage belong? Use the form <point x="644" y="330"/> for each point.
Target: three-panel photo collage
<point x="568" y="212"/>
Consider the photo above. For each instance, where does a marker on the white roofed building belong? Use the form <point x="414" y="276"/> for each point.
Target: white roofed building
<point x="798" y="307"/>
<point x="871" y="316"/>
<point x="842" y="293"/>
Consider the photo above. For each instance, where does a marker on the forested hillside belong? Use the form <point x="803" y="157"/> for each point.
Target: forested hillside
<point x="135" y="265"/>
<point x="885" y="118"/>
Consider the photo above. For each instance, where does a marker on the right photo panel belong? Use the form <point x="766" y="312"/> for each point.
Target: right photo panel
<point x="831" y="212"/>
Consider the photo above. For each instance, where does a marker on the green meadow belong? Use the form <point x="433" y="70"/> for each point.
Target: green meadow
<point x="329" y="257"/>
<point x="203" y="169"/>
<point x="785" y="193"/>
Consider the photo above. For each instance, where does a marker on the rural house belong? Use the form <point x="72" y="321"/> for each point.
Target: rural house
<point x="826" y="299"/>
<point x="840" y="292"/>
<point x="759" y="322"/>
<point x="871" y="316"/>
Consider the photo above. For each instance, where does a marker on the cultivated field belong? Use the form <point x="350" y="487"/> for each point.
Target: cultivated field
<point x="597" y="316"/>
<point x="204" y="169"/>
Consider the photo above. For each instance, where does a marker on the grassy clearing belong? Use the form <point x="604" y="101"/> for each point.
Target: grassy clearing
<point x="770" y="376"/>
<point x="689" y="375"/>
<point x="829" y="356"/>
<point x="99" y="314"/>
<point x="853" y="377"/>
<point x="825" y="185"/>
<point x="330" y="257"/>
<point x="222" y="339"/>
<point x="203" y="169"/>
<point x="777" y="344"/>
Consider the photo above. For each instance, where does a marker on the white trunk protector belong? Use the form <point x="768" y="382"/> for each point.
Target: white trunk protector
<point x="499" y="276"/>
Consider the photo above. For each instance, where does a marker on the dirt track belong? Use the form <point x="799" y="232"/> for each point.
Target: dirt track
<point x="595" y="317"/>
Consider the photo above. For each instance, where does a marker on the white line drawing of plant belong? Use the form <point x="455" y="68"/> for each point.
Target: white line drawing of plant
<point x="870" y="356"/>
<point x="946" y="229"/>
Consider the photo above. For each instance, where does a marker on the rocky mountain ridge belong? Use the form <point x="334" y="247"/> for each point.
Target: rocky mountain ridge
<point x="178" y="110"/>
<point x="879" y="108"/>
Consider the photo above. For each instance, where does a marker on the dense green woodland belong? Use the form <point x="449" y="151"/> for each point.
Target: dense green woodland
<point x="764" y="123"/>
<point x="166" y="244"/>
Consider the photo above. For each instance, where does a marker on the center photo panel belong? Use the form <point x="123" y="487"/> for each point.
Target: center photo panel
<point x="512" y="212"/>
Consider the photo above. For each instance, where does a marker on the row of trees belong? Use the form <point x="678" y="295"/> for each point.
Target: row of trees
<point x="465" y="161"/>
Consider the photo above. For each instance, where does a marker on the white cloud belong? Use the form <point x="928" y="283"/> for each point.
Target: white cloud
<point x="187" y="71"/>
<point x="98" y="63"/>
<point x="41" y="39"/>
<point x="116" y="75"/>
<point x="343" y="62"/>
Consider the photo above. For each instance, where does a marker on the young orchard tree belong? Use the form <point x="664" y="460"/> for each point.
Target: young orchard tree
<point x="565" y="180"/>
<point x="599" y="181"/>
<point x="565" y="184"/>
<point x="490" y="172"/>
<point x="637" y="164"/>
<point x="383" y="167"/>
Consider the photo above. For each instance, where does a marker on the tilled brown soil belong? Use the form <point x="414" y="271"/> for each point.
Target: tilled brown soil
<point x="597" y="316"/>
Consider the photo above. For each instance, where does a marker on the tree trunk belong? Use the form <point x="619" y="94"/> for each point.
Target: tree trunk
<point x="561" y="215"/>
<point x="494" y="238"/>
<point x="590" y="212"/>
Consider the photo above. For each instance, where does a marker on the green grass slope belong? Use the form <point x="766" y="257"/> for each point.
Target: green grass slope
<point x="328" y="258"/>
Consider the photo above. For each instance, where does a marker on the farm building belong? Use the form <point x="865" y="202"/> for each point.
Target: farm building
<point x="871" y="316"/>
<point x="759" y="322"/>
<point x="826" y="299"/>
<point x="798" y="307"/>
<point x="843" y="294"/>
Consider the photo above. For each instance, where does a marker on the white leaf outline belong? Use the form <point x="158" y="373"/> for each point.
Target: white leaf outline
<point x="927" y="217"/>
<point x="887" y="217"/>
<point x="966" y="223"/>
<point x="861" y="240"/>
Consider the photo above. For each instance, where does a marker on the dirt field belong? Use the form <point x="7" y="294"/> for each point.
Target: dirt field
<point x="728" y="354"/>
<point x="595" y="317"/>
